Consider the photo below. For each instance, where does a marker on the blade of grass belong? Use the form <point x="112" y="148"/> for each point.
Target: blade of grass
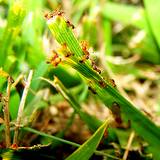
<point x="107" y="35"/>
<point x="141" y="124"/>
<point x="86" y="150"/>
<point x="50" y="136"/>
<point x="15" y="17"/>
<point x="152" y="9"/>
<point x="40" y="71"/>
<point x="64" y="141"/>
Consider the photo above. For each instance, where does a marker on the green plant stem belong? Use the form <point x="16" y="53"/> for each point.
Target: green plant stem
<point x="21" y="107"/>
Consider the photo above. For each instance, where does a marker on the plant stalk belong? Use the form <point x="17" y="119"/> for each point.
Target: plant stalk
<point x="6" y="113"/>
<point x="21" y="107"/>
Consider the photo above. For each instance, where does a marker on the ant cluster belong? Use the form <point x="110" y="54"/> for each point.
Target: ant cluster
<point x="86" y="56"/>
<point x="54" y="59"/>
<point x="57" y="12"/>
<point x="85" y="46"/>
<point x="103" y="83"/>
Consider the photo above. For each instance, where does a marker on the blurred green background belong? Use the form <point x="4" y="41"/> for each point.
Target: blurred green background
<point x="123" y="37"/>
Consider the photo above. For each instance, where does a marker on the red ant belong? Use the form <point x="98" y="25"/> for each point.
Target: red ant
<point x="102" y="83"/>
<point x="92" y="90"/>
<point x="63" y="50"/>
<point x="116" y="112"/>
<point x="70" y="24"/>
<point x="95" y="67"/>
<point x="55" y="59"/>
<point x="84" y="46"/>
<point x="105" y="134"/>
<point x="47" y="16"/>
<point x="112" y="82"/>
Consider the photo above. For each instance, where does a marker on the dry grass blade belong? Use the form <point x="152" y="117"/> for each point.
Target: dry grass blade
<point x="21" y="107"/>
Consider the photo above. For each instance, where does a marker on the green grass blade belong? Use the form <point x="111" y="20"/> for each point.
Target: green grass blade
<point x="152" y="10"/>
<point x="141" y="124"/>
<point x="86" y="150"/>
<point x="35" y="84"/>
<point x="126" y="14"/>
<point x="15" y="18"/>
<point x="50" y="136"/>
<point x="107" y="30"/>
<point x="55" y="138"/>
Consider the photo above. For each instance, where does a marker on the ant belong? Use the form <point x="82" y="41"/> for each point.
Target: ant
<point x="63" y="49"/>
<point x="95" y="67"/>
<point x="55" y="59"/>
<point x="112" y="82"/>
<point x="47" y="16"/>
<point x="70" y="24"/>
<point x="102" y="83"/>
<point x="116" y="112"/>
<point x="105" y="134"/>
<point x="92" y="90"/>
<point x="84" y="46"/>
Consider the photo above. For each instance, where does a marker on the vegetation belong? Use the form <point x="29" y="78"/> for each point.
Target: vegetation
<point x="92" y="85"/>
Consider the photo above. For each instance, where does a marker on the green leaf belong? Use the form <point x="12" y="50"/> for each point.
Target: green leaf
<point x="152" y="10"/>
<point x="86" y="150"/>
